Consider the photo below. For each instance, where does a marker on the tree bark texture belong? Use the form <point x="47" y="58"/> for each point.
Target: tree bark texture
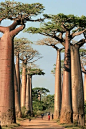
<point x="31" y="109"/>
<point x="17" y="106"/>
<point x="7" y="104"/>
<point x="23" y="88"/>
<point x="57" y="98"/>
<point x="7" y="101"/>
<point x="85" y="87"/>
<point x="18" y="76"/>
<point x="66" y="111"/>
<point x="28" y="93"/>
<point x="77" y="86"/>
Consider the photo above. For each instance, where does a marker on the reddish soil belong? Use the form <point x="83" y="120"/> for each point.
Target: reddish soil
<point x="38" y="123"/>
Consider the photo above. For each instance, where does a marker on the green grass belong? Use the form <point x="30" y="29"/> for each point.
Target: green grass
<point x="10" y="126"/>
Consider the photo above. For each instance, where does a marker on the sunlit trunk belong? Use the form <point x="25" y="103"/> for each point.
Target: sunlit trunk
<point x="28" y="93"/>
<point x="7" y="102"/>
<point x="18" y="75"/>
<point x="31" y="94"/>
<point x="23" y="88"/>
<point x="66" y="111"/>
<point x="17" y="106"/>
<point x="57" y="97"/>
<point x="77" y="86"/>
<point x="85" y="87"/>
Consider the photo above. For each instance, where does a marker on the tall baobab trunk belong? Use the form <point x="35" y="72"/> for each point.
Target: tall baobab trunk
<point x="85" y="87"/>
<point x="23" y="88"/>
<point x="17" y="106"/>
<point x="7" y="102"/>
<point x="18" y="76"/>
<point x="66" y="111"/>
<point x="57" y="98"/>
<point x="31" y="109"/>
<point x="77" y="86"/>
<point x="28" y="93"/>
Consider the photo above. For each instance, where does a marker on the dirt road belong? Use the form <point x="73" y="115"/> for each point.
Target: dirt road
<point x="38" y="123"/>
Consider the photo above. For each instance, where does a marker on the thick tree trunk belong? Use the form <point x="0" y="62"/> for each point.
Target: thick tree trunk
<point x="18" y="76"/>
<point x="28" y="93"/>
<point x="77" y="86"/>
<point x="85" y="87"/>
<point x="23" y="88"/>
<point x="31" y="109"/>
<point x="66" y="112"/>
<point x="7" y="104"/>
<point x="17" y="106"/>
<point x="57" y="98"/>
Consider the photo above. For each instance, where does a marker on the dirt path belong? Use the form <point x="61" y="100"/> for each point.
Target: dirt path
<point x="38" y="123"/>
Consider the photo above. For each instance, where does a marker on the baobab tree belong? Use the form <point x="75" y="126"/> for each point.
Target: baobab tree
<point x="83" y="64"/>
<point x="30" y="73"/>
<point x="57" y="98"/>
<point x="19" y="47"/>
<point x="19" y="13"/>
<point x="64" y="28"/>
<point x="28" y="56"/>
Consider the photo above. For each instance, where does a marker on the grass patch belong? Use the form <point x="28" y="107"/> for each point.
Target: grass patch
<point x="10" y="126"/>
<point x="70" y="126"/>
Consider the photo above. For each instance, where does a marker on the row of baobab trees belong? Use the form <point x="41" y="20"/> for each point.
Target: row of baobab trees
<point x="23" y="90"/>
<point x="63" y="28"/>
<point x="19" y="14"/>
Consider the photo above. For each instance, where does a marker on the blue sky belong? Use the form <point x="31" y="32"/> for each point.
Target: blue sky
<point x="76" y="7"/>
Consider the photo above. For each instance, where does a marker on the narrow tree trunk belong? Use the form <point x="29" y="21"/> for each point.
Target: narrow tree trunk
<point x="31" y="94"/>
<point x="57" y="98"/>
<point x="66" y="111"/>
<point x="17" y="106"/>
<point x="7" y="102"/>
<point x="85" y="87"/>
<point x="18" y="76"/>
<point x="77" y="87"/>
<point x="28" y="93"/>
<point x="23" y="88"/>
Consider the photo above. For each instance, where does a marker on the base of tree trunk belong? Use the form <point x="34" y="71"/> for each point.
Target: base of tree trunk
<point x="81" y="120"/>
<point x="66" y="116"/>
<point x="75" y="118"/>
<point x="18" y="114"/>
<point x="8" y="117"/>
<point x="56" y="114"/>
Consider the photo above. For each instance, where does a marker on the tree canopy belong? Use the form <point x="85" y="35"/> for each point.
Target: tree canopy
<point x="19" y="11"/>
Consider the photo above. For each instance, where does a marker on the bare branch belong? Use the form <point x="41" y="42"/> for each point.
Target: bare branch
<point x="17" y="30"/>
<point x="78" y="33"/>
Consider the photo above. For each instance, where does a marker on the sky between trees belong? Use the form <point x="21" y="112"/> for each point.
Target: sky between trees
<point x="76" y="7"/>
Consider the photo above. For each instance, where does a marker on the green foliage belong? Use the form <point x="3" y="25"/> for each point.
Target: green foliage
<point x="38" y="107"/>
<point x="11" y="9"/>
<point x="23" y="112"/>
<point x="20" y="45"/>
<point x="41" y="90"/>
<point x="48" y="101"/>
<point x="59" y="23"/>
<point x="35" y="71"/>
